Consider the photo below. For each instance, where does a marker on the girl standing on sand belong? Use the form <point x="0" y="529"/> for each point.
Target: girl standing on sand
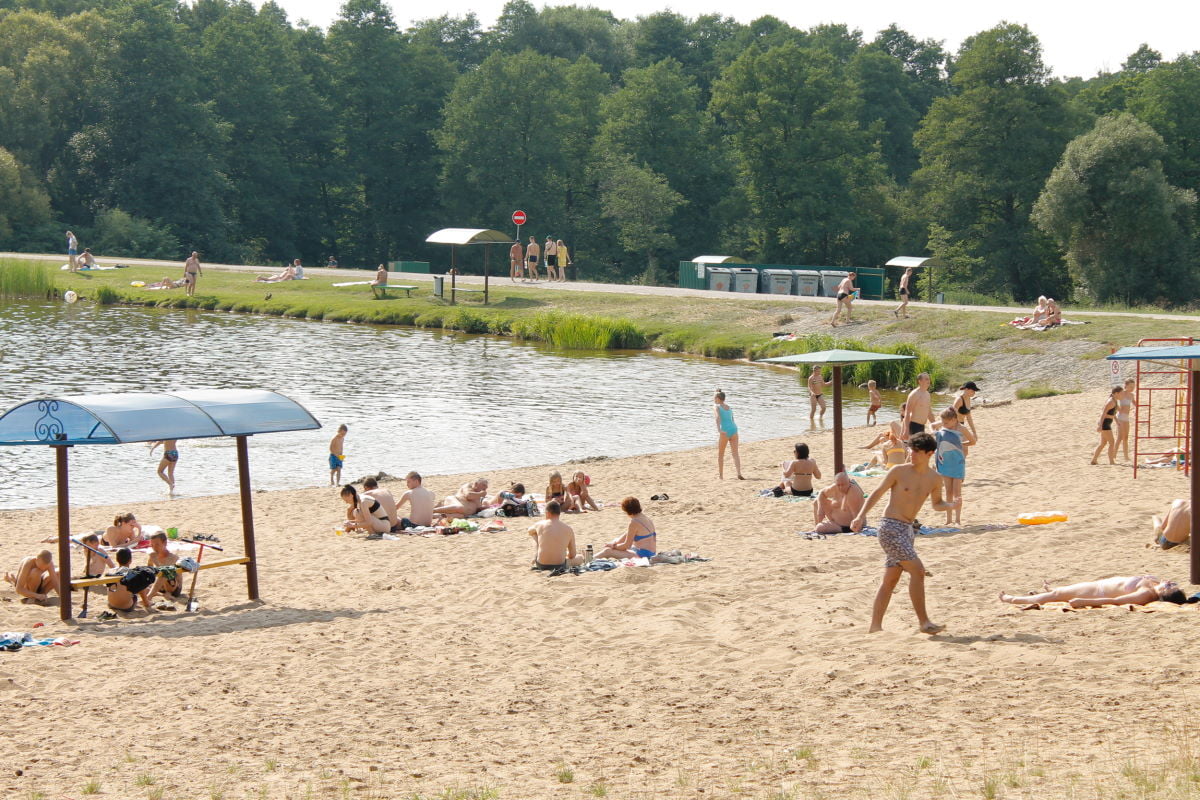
<point x="727" y="433"/>
<point x="952" y="442"/>
<point x="1125" y="404"/>
<point x="1105" y="428"/>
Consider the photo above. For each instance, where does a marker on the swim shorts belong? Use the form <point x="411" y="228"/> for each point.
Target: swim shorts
<point x="872" y="410"/>
<point x="1167" y="544"/>
<point x="552" y="260"/>
<point x="842" y="295"/>
<point x="915" y="427"/>
<point x="896" y="539"/>
<point x="532" y="259"/>
<point x="171" y="455"/>
<point x="903" y="292"/>
<point x="801" y="492"/>
<point x="335" y="462"/>
<point x="540" y="567"/>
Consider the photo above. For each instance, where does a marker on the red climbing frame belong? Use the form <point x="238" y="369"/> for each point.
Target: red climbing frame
<point x="1172" y="387"/>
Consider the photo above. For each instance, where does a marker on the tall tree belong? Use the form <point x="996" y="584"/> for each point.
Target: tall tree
<point x="389" y="93"/>
<point x="1124" y="228"/>
<point x="986" y="152"/>
<point x="1165" y="96"/>
<point x="640" y="204"/>
<point x="24" y="204"/>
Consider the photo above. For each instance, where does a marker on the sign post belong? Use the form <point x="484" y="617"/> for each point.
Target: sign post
<point x="518" y="219"/>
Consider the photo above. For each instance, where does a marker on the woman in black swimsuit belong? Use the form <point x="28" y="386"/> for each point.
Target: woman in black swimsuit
<point x="1105" y="428"/>
<point x="962" y="405"/>
<point x="364" y="512"/>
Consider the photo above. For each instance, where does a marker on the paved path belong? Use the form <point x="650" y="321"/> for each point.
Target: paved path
<point x="611" y="288"/>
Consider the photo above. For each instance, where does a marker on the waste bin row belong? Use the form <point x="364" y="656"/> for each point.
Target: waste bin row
<point x="802" y="282"/>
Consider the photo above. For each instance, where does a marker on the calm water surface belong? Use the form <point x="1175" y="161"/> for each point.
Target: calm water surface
<point x="438" y="403"/>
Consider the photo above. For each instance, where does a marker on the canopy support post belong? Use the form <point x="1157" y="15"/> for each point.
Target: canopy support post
<point x="1194" y="473"/>
<point x="486" y="250"/>
<point x="243" y="456"/>
<point x="838" y="466"/>
<point x="64" y="534"/>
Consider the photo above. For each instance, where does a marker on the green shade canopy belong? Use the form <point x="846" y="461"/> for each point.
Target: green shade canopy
<point x="837" y="357"/>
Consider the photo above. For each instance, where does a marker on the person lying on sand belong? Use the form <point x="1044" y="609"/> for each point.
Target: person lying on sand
<point x="160" y="556"/>
<point x="907" y="487"/>
<point x="119" y="596"/>
<point x="125" y="531"/>
<point x="1121" y="590"/>
<point x="640" y="539"/>
<point x="837" y="505"/>
<point x="466" y="501"/>
<point x="1175" y="527"/>
<point x="420" y="503"/>
<point x="36" y="578"/>
<point x="555" y="541"/>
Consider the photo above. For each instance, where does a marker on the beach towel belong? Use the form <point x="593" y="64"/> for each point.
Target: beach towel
<point x="12" y="641"/>
<point x="863" y="471"/>
<point x="790" y="498"/>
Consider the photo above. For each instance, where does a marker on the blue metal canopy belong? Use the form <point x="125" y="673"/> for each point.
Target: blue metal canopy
<point x="836" y="357"/>
<point x="149" y="417"/>
<point x="1189" y="352"/>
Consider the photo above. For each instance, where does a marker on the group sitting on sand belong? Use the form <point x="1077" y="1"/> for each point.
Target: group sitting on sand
<point x="555" y="547"/>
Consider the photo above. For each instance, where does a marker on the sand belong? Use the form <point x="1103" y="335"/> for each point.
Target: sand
<point x="445" y="668"/>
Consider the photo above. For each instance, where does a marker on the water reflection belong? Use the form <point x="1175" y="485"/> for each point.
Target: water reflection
<point x="413" y="399"/>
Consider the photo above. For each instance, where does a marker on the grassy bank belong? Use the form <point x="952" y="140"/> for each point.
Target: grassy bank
<point x="946" y="342"/>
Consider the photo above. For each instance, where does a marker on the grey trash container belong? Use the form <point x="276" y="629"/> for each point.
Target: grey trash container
<point x="720" y="279"/>
<point x="941" y="297"/>
<point x="745" y="280"/>
<point x="830" y="278"/>
<point x="807" y="283"/>
<point x="776" y="281"/>
<point x="439" y="283"/>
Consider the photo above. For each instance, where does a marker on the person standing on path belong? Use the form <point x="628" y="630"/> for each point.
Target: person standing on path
<point x="551" y="259"/>
<point x="516" y="261"/>
<point x="845" y="296"/>
<point x="72" y="251"/>
<point x="727" y="434"/>
<point x="903" y="292"/>
<point x="1125" y="404"/>
<point x="918" y="408"/>
<point x="532" y="253"/>
<point x="909" y="486"/>
<point x="564" y="260"/>
<point x="816" y="391"/>
<point x="191" y="271"/>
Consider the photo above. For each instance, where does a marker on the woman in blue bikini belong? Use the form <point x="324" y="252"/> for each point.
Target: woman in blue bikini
<point x="639" y="541"/>
<point x="166" y="467"/>
<point x="728" y="432"/>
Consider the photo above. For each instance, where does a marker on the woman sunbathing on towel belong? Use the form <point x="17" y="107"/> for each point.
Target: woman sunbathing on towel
<point x="288" y="273"/>
<point x="466" y="501"/>
<point x="1036" y="318"/>
<point x="125" y="531"/>
<point x="1135" y="590"/>
<point x="640" y="540"/>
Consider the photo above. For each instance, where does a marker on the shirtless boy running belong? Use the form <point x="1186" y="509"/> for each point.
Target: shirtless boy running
<point x="36" y="578"/>
<point x="910" y="485"/>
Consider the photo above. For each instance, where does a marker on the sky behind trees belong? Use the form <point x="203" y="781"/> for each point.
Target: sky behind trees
<point x="1077" y="40"/>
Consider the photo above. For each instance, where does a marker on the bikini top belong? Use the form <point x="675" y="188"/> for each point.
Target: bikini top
<point x="649" y="535"/>
<point x="374" y="508"/>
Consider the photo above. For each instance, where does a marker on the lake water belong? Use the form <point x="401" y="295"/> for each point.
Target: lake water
<point x="438" y="403"/>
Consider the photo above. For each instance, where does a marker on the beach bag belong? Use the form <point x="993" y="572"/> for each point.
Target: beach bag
<point x="139" y="579"/>
<point x="515" y="508"/>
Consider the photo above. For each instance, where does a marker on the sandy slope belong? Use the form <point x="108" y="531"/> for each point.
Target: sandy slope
<point x="383" y="669"/>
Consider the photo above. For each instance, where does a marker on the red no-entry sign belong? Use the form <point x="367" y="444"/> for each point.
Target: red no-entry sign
<point x="518" y="218"/>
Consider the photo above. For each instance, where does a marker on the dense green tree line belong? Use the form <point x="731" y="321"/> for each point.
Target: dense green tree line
<point x="156" y="127"/>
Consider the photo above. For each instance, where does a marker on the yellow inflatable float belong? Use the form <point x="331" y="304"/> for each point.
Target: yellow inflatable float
<point x="1042" y="518"/>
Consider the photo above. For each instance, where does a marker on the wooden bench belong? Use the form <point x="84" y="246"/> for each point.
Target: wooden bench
<point x="80" y="583"/>
<point x="381" y="291"/>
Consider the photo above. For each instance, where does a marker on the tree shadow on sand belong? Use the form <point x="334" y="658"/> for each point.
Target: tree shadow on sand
<point x="254" y="615"/>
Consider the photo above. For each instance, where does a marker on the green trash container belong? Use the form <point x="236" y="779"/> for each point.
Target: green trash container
<point x="870" y="281"/>
<point x="692" y="275"/>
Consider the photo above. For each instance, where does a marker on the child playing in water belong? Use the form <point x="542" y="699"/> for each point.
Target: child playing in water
<point x="557" y="492"/>
<point x="166" y="466"/>
<point x="337" y="446"/>
<point x="876" y="402"/>
<point x="952" y="461"/>
<point x="578" y="491"/>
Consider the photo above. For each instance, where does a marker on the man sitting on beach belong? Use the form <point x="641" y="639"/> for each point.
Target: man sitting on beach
<point x="555" y="541"/>
<point x="160" y="556"/>
<point x="836" y="505"/>
<point x="371" y="488"/>
<point x="36" y="578"/>
<point x="909" y="485"/>
<point x="420" y="503"/>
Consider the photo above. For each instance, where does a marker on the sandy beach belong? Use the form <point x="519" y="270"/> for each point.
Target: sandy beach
<point x="445" y="668"/>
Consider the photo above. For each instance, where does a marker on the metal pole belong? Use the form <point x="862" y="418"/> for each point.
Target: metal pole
<point x="243" y="456"/>
<point x="1195" y="473"/>
<point x="486" y="250"/>
<point x="453" y="273"/>
<point x="64" y="534"/>
<point x="838" y="466"/>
